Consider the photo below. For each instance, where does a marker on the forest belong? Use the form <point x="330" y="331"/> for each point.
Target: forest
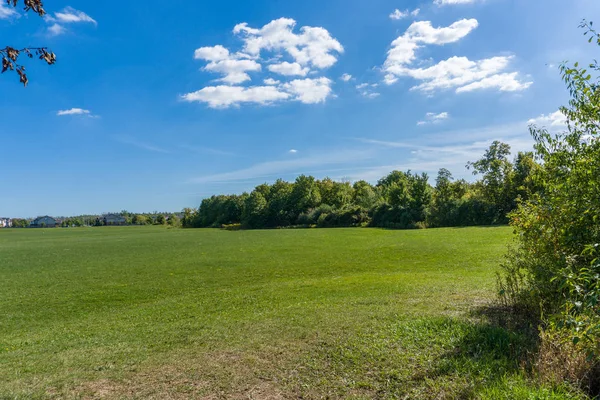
<point x="400" y="200"/>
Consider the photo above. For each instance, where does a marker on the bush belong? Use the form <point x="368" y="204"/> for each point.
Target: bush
<point x="555" y="263"/>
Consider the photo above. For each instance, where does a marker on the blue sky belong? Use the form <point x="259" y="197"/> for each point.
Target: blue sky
<point x="154" y="107"/>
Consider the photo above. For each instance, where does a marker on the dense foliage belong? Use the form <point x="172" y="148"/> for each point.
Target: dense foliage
<point x="401" y="200"/>
<point x="555" y="265"/>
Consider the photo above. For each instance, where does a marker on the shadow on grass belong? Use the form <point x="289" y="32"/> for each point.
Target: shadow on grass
<point x="498" y="343"/>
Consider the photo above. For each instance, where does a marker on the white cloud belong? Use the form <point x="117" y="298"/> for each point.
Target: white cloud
<point x="366" y="91"/>
<point x="313" y="46"/>
<point x="346" y="77"/>
<point x="7" y="11"/>
<point x="508" y="82"/>
<point x="70" y="15"/>
<point x="74" y="111"/>
<point x="433" y="118"/>
<point x="293" y="151"/>
<point x="397" y="14"/>
<point x="288" y="69"/>
<point x="404" y="47"/>
<point x="554" y="120"/>
<point x="56" y="29"/>
<point x="370" y="95"/>
<point x="214" y="53"/>
<point x="233" y="66"/>
<point x="456" y="72"/>
<point x="310" y="50"/>
<point x="226" y="96"/>
<point x="309" y="91"/>
<point x="452" y="2"/>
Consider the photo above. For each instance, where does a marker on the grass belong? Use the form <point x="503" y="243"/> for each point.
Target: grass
<point x="150" y="312"/>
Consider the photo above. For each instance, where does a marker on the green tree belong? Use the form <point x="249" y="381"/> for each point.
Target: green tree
<point x="139" y="219"/>
<point x="497" y="173"/>
<point x="279" y="211"/>
<point x="364" y="194"/>
<point x="160" y="219"/>
<point x="173" y="220"/>
<point x="255" y="210"/>
<point x="305" y="195"/>
<point x="190" y="218"/>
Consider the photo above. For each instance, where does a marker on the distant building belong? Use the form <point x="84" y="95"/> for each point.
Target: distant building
<point x="114" y="219"/>
<point x="5" y="222"/>
<point x="43" y="222"/>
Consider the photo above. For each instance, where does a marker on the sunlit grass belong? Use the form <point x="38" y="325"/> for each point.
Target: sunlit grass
<point x="147" y="312"/>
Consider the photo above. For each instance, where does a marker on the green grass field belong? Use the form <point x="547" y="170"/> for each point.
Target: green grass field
<point x="151" y="312"/>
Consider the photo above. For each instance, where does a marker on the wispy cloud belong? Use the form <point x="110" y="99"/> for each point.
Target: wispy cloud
<point x="68" y="15"/>
<point x="397" y="14"/>
<point x="7" y="12"/>
<point x="297" y="165"/>
<point x="139" y="144"/>
<point x="206" y="150"/>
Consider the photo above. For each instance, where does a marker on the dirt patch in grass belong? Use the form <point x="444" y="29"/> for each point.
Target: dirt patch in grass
<point x="223" y="375"/>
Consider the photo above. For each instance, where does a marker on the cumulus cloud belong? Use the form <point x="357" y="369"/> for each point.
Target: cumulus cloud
<point x="73" y="111"/>
<point x="233" y="66"/>
<point x="308" y="50"/>
<point x="433" y="118"/>
<point x="404" y="47"/>
<point x="508" y="82"/>
<point x="460" y="73"/>
<point x="226" y="96"/>
<point x="309" y="91"/>
<point x="554" y="120"/>
<point x="397" y="14"/>
<point x="313" y="46"/>
<point x="346" y="77"/>
<point x="288" y="69"/>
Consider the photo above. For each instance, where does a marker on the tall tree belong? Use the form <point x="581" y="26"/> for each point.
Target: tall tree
<point x="496" y="182"/>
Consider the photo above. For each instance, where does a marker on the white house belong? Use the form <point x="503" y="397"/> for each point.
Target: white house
<point x="43" y="222"/>
<point x="5" y="222"/>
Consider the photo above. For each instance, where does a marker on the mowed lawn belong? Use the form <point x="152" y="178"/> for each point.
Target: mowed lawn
<point x="152" y="312"/>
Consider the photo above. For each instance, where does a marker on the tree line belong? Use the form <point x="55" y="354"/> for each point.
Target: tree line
<point x="400" y="200"/>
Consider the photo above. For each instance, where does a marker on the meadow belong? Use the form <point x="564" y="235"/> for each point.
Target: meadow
<point x="158" y="313"/>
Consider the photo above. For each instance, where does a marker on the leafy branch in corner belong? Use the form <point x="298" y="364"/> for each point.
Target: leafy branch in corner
<point x="10" y="55"/>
